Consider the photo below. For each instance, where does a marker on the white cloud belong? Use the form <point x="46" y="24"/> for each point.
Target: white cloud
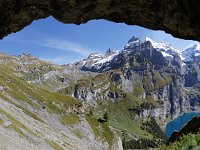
<point x="60" y="60"/>
<point x="59" y="44"/>
<point x="65" y="45"/>
<point x="54" y="43"/>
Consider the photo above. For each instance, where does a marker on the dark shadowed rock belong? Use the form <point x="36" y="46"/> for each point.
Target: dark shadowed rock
<point x="180" y="18"/>
<point x="191" y="127"/>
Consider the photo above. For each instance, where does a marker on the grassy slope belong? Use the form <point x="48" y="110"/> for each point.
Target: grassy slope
<point x="31" y="94"/>
<point x="70" y="119"/>
<point x="23" y="95"/>
<point x="190" y="141"/>
<point x="101" y="130"/>
<point x="120" y="117"/>
<point x="54" y="145"/>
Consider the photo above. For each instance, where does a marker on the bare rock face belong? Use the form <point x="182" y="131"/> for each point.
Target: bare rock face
<point x="16" y="14"/>
<point x="178" y="17"/>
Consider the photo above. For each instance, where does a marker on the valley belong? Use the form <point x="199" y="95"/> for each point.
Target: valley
<point x="122" y="99"/>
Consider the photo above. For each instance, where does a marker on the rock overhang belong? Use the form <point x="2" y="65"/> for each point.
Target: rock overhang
<point x="177" y="17"/>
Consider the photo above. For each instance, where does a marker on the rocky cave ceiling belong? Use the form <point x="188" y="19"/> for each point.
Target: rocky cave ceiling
<point x="181" y="18"/>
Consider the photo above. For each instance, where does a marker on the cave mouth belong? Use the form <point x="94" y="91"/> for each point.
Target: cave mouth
<point x="59" y="43"/>
<point x="51" y="40"/>
<point x="179" y="18"/>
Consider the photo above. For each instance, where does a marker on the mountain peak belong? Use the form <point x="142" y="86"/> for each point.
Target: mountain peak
<point x="165" y="48"/>
<point x="133" y="39"/>
<point x="149" y="39"/>
<point x="95" y="56"/>
<point x="191" y="51"/>
<point x="160" y="45"/>
<point x="194" y="45"/>
<point x="109" y="52"/>
<point x="23" y="55"/>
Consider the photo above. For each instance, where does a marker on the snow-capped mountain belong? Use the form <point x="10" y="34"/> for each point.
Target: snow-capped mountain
<point x="110" y="54"/>
<point x="134" y="41"/>
<point x="156" y="53"/>
<point x="96" y="61"/>
<point x="156" y="67"/>
<point x="165" y="48"/>
<point x="191" y="53"/>
<point x="92" y="58"/>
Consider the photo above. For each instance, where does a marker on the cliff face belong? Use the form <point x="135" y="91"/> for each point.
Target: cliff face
<point x="156" y="73"/>
<point x="166" y="98"/>
<point x="180" y="18"/>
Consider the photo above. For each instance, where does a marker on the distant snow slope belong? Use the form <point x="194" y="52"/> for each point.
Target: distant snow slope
<point x="165" y="48"/>
<point x="190" y="52"/>
<point x="106" y="59"/>
<point x="97" y="61"/>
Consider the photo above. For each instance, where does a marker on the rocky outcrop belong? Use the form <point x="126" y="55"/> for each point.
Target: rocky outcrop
<point x="180" y="18"/>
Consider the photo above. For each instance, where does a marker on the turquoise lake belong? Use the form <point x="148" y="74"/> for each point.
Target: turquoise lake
<point x="179" y="122"/>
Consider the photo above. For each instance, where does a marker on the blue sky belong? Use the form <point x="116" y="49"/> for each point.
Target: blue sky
<point x="61" y="43"/>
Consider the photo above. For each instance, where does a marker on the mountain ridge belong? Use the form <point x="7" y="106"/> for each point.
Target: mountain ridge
<point x="139" y="89"/>
<point x="165" y="48"/>
<point x="148" y="57"/>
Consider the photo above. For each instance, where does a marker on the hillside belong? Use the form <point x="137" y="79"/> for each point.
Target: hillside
<point x="122" y="98"/>
<point x="144" y="80"/>
<point x="34" y="117"/>
<point x="155" y="73"/>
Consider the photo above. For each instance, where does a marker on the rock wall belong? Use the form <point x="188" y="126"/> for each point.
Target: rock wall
<point x="178" y="17"/>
